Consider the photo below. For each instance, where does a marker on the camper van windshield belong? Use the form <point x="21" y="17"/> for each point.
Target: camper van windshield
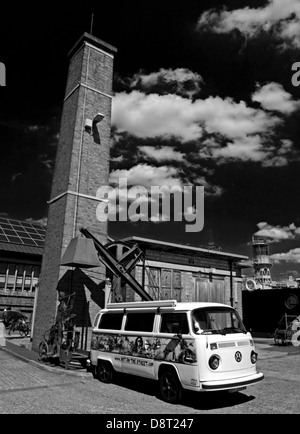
<point x="217" y="320"/>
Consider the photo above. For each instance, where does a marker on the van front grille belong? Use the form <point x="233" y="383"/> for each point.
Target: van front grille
<point x="232" y="344"/>
<point x="243" y="343"/>
<point x="226" y="344"/>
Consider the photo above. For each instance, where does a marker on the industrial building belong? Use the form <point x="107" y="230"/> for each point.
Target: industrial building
<point x="21" y="250"/>
<point x="166" y="270"/>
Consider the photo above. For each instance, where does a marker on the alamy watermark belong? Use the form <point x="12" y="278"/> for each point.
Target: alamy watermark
<point x="296" y="76"/>
<point x="2" y="74"/>
<point x="157" y="204"/>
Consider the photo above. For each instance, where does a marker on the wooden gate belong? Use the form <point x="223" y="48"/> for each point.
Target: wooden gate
<point x="213" y="291"/>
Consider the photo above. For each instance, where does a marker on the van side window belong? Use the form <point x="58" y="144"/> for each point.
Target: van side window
<point x="111" y="321"/>
<point x="140" y="322"/>
<point x="174" y="323"/>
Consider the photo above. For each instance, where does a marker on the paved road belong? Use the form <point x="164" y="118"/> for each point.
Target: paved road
<point x="27" y="389"/>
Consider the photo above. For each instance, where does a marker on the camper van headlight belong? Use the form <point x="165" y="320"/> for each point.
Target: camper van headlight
<point x="214" y="362"/>
<point x="253" y="357"/>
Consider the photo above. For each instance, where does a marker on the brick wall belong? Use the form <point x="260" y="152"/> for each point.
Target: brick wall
<point x="82" y="165"/>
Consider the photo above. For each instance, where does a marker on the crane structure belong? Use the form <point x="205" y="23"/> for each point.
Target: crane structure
<point x="120" y="267"/>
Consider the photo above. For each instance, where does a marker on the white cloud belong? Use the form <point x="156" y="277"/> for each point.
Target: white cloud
<point x="15" y="176"/>
<point x="277" y="233"/>
<point x="281" y="154"/>
<point x="46" y="161"/>
<point x="291" y="256"/>
<point x="249" y="148"/>
<point x="182" y="80"/>
<point x="43" y="221"/>
<point x="151" y="116"/>
<point x="118" y="159"/>
<point x="272" y="96"/>
<point x="147" y="176"/>
<point x="282" y="17"/>
<point x="165" y="153"/>
<point x="232" y="119"/>
<point x="33" y="128"/>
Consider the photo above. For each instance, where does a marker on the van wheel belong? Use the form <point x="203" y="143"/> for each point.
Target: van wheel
<point x="105" y="372"/>
<point x="170" y="388"/>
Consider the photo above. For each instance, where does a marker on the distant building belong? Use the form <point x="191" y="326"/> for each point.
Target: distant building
<point x="266" y="300"/>
<point x="21" y="251"/>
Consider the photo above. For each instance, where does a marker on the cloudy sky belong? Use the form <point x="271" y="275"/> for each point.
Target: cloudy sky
<point x="206" y="94"/>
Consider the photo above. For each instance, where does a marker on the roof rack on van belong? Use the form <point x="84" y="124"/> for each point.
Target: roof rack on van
<point x="141" y="304"/>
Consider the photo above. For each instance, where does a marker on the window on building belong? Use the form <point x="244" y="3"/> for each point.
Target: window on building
<point x="11" y="279"/>
<point x="20" y="278"/>
<point x="153" y="281"/>
<point x="177" y="280"/>
<point x="140" y="322"/>
<point x="35" y="277"/>
<point x="166" y="278"/>
<point x="28" y="278"/>
<point x="3" y="269"/>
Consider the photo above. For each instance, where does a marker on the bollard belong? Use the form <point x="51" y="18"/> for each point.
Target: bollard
<point x="2" y="334"/>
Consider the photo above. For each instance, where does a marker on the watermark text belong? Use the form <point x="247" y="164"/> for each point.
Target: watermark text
<point x="156" y="204"/>
<point x="2" y="74"/>
<point x="296" y="76"/>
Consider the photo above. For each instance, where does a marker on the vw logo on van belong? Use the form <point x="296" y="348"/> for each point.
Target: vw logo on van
<point x="238" y="356"/>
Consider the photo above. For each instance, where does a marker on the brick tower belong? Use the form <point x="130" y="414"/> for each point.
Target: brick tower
<point x="81" y="167"/>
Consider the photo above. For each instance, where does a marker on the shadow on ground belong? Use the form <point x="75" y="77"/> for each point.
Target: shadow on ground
<point x="195" y="400"/>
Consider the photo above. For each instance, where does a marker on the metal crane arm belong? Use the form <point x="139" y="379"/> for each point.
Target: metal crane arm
<point x="115" y="266"/>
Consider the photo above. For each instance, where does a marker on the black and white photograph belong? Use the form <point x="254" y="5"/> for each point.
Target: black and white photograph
<point x="149" y="214"/>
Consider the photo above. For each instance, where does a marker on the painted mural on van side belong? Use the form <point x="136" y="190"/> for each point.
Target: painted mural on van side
<point x="176" y="349"/>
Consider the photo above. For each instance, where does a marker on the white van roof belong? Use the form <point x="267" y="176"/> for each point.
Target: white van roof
<point x="173" y="304"/>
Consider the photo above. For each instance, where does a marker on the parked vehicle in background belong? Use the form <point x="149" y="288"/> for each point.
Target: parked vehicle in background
<point x="21" y="326"/>
<point x="15" y="320"/>
<point x="10" y="316"/>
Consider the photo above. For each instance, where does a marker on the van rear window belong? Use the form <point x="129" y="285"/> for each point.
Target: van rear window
<point x="174" y="323"/>
<point x="111" y="321"/>
<point x="140" y="322"/>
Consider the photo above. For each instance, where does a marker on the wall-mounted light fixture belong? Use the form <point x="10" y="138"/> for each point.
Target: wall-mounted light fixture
<point x="90" y="125"/>
<point x="98" y="118"/>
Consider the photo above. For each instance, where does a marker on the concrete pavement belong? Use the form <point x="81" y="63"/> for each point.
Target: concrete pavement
<point x="22" y="349"/>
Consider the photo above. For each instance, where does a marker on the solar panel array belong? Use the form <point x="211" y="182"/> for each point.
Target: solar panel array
<point x="22" y="233"/>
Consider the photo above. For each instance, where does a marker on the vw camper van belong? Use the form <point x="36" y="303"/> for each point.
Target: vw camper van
<point x="202" y="347"/>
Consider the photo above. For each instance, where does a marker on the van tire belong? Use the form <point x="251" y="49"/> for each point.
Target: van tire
<point x="105" y="372"/>
<point x="169" y="387"/>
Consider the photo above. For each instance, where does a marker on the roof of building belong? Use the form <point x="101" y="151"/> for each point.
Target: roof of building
<point x="22" y="236"/>
<point x="29" y="238"/>
<point x="173" y="247"/>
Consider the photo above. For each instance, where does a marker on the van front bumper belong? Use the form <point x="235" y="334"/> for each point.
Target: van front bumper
<point x="236" y="383"/>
